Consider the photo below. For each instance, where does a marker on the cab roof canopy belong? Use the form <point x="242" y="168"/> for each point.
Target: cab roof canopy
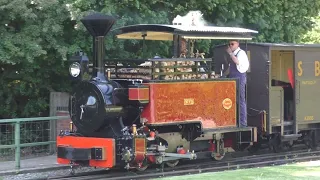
<point x="163" y="32"/>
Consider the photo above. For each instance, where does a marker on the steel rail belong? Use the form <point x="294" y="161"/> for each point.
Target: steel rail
<point x="200" y="167"/>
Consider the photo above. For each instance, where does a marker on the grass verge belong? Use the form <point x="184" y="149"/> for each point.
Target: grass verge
<point x="299" y="171"/>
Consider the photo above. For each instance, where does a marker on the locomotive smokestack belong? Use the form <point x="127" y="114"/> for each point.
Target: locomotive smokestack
<point x="98" y="26"/>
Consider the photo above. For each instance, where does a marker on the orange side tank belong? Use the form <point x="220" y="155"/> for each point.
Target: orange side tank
<point x="213" y="103"/>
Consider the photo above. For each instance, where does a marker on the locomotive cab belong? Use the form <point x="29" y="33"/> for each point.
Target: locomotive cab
<point x="134" y="113"/>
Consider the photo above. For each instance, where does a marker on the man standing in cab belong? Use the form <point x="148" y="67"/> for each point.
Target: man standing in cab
<point x="238" y="68"/>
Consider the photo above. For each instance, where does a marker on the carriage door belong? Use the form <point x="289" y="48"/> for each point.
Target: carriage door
<point x="307" y="85"/>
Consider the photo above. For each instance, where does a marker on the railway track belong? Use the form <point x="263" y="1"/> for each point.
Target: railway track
<point x="196" y="167"/>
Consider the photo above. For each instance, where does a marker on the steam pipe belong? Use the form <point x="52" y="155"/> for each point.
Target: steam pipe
<point x="94" y="59"/>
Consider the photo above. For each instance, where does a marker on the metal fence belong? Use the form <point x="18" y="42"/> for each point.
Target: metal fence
<point x="26" y="137"/>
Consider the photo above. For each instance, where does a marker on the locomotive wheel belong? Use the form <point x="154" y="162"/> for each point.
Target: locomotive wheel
<point x="254" y="148"/>
<point x="218" y="156"/>
<point x="172" y="163"/>
<point x="142" y="167"/>
<point x="72" y="170"/>
<point x="308" y="143"/>
<point x="309" y="139"/>
<point x="276" y="148"/>
<point x="256" y="145"/>
<point x="275" y="143"/>
<point x="289" y="144"/>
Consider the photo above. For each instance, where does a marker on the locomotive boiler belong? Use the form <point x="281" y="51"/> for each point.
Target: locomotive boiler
<point x="99" y="107"/>
<point x="160" y="111"/>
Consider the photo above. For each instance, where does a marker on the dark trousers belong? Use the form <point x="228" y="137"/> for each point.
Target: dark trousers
<point x="243" y="103"/>
<point x="242" y="98"/>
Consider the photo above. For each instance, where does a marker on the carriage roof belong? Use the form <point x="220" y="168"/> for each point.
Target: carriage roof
<point x="165" y="32"/>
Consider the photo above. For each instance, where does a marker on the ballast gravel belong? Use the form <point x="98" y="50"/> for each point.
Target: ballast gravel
<point x="47" y="174"/>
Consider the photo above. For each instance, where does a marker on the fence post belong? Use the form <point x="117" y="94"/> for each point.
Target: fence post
<point x="17" y="144"/>
<point x="58" y="102"/>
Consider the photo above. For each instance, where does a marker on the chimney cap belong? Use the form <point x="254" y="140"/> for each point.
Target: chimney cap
<point x="98" y="24"/>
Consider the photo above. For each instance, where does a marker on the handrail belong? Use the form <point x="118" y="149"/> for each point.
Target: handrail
<point x="32" y="119"/>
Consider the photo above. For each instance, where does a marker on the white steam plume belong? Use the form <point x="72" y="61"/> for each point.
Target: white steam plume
<point x="192" y="18"/>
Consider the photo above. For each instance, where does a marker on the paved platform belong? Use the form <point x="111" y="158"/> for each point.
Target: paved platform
<point x="38" y="164"/>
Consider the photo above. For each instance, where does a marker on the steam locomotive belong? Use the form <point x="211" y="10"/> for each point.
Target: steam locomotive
<point x="161" y="110"/>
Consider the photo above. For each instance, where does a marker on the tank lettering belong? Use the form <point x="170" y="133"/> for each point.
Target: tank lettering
<point x="308" y="118"/>
<point x="317" y="68"/>
<point x="188" y="101"/>
<point x="308" y="82"/>
<point x="300" y="68"/>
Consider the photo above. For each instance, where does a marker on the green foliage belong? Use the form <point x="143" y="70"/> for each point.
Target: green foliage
<point x="35" y="39"/>
<point x="127" y="12"/>
<point x="313" y="36"/>
<point x="281" y="21"/>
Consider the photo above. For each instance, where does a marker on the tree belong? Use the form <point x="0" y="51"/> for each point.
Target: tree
<point x="281" y="21"/>
<point x="35" y="39"/>
<point x="127" y="12"/>
<point x="313" y="36"/>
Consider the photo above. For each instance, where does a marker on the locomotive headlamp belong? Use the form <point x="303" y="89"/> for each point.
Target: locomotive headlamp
<point x="75" y="69"/>
<point x="79" y="65"/>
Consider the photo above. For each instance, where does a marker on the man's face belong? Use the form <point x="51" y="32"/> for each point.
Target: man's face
<point x="233" y="45"/>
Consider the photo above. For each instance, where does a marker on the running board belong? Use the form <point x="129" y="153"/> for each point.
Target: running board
<point x="290" y="137"/>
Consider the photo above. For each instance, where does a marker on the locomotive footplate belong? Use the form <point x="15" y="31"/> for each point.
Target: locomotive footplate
<point x="81" y="154"/>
